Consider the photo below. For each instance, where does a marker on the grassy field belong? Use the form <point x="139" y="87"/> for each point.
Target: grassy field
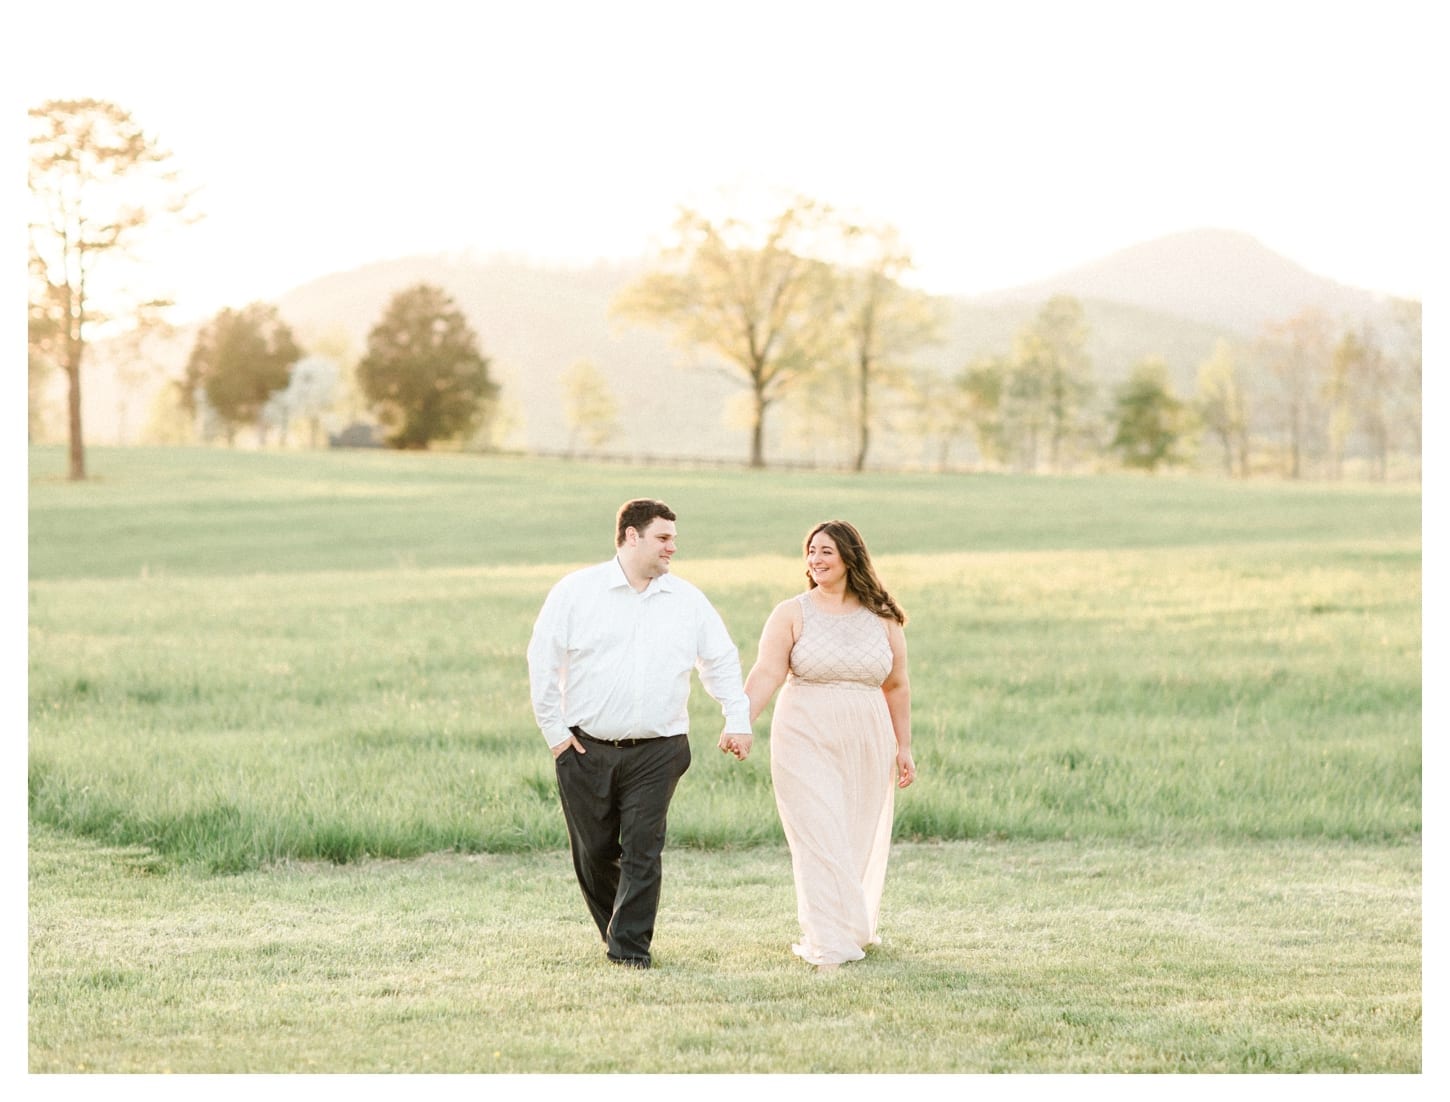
<point x="241" y="665"/>
<point x="1041" y="957"/>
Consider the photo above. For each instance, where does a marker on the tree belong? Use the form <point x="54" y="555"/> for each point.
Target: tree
<point x="1298" y="356"/>
<point x="240" y="359"/>
<point x="748" y="293"/>
<point x="39" y="370"/>
<point x="883" y="320"/>
<point x="984" y="385"/>
<point x="423" y="373"/>
<point x="1148" y="418"/>
<point x="1049" y="380"/>
<point x="337" y="344"/>
<point x="138" y="354"/>
<point x="1359" y="391"/>
<point x="1407" y="360"/>
<point x="936" y="412"/>
<point x="590" y="410"/>
<point x="819" y="414"/>
<point x="1222" y="404"/>
<point x="172" y="419"/>
<point x="1024" y="401"/>
<point x="97" y="182"/>
<point x="1061" y="331"/>
<point x="46" y="351"/>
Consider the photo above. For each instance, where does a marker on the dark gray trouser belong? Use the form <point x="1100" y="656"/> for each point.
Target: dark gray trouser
<point x="615" y="801"/>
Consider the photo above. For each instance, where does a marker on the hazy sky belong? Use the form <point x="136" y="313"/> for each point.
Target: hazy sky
<point x="1006" y="140"/>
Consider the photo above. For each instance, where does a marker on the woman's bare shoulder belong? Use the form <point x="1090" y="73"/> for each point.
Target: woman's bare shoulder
<point x="787" y="611"/>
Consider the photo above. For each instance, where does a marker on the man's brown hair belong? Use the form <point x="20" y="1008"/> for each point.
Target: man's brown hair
<point x="638" y="514"/>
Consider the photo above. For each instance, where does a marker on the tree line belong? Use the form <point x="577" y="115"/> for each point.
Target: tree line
<point x="807" y="309"/>
<point x="1298" y="400"/>
<point x="423" y="376"/>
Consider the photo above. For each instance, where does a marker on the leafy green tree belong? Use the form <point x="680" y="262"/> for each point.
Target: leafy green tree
<point x="240" y="359"/>
<point x="747" y="292"/>
<point x="1222" y="405"/>
<point x="1149" y="420"/>
<point x="590" y="409"/>
<point x="97" y="183"/>
<point x="423" y="373"/>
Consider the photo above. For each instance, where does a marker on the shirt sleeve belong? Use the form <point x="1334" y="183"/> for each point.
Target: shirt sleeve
<point x="548" y="662"/>
<point x="719" y="666"/>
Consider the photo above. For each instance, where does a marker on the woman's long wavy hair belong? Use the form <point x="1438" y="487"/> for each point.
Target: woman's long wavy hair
<point x="860" y="574"/>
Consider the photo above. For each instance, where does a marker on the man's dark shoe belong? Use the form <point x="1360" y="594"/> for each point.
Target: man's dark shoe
<point x="630" y="962"/>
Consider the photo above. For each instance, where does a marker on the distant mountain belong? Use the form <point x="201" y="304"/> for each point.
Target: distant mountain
<point x="1219" y="277"/>
<point x="1172" y="299"/>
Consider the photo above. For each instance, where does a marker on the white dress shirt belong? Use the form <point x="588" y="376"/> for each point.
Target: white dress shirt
<point x="616" y="662"/>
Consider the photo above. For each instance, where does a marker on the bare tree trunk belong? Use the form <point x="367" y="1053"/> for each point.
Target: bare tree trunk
<point x="863" y="438"/>
<point x="75" y="351"/>
<point x="1228" y="453"/>
<point x="1381" y="438"/>
<point x="757" y="432"/>
<point x="73" y="402"/>
<point x="1294" y="444"/>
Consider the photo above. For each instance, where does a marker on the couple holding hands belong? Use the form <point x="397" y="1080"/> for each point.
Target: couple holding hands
<point x="609" y="673"/>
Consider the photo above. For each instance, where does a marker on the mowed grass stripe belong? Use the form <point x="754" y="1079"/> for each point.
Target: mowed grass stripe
<point x="198" y="511"/>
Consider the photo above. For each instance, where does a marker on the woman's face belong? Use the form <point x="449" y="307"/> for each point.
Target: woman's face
<point x="823" y="560"/>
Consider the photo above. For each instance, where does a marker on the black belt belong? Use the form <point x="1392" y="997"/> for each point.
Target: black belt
<point x="578" y="732"/>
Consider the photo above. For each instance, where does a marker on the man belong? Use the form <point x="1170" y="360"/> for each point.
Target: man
<point x="609" y="672"/>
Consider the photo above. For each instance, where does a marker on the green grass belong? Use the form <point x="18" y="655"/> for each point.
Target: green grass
<point x="250" y="663"/>
<point x="1040" y="957"/>
<point x="1230" y="689"/>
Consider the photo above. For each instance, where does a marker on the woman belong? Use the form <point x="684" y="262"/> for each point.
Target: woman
<point x="840" y="736"/>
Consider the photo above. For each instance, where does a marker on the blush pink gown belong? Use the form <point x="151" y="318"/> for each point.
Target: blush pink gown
<point x="832" y="763"/>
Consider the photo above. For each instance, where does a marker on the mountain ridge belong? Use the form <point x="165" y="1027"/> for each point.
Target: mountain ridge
<point x="1223" y="277"/>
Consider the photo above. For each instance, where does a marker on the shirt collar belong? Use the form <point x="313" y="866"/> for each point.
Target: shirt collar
<point x="665" y="583"/>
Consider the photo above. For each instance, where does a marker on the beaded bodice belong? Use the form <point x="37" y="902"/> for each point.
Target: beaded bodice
<point x="847" y="649"/>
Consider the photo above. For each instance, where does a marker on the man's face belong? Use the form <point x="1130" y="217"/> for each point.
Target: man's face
<point x="650" y="551"/>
